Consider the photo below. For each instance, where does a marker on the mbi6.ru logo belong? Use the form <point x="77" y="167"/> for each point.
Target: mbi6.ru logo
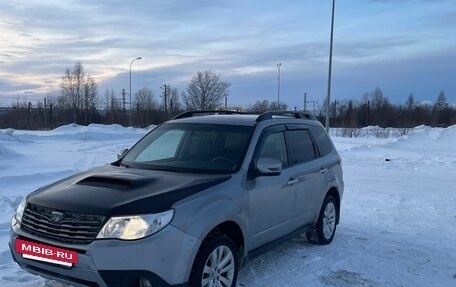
<point x="32" y="250"/>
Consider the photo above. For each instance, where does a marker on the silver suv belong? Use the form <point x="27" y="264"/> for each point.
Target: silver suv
<point x="187" y="205"/>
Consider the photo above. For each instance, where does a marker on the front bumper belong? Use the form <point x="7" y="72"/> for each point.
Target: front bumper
<point x="164" y="258"/>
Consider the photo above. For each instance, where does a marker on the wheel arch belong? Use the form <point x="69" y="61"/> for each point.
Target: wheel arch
<point x="230" y="229"/>
<point x="335" y="193"/>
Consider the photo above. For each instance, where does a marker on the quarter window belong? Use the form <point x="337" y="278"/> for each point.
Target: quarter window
<point x="321" y="139"/>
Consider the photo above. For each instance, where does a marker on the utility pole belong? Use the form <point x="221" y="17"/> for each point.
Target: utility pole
<point x="165" y="95"/>
<point x="30" y="115"/>
<point x="166" y="101"/>
<point x="123" y="99"/>
<point x="310" y="102"/>
<point x="328" y="98"/>
<point x="313" y="106"/>
<point x="278" y="85"/>
<point x="131" y="63"/>
<point x="305" y="102"/>
<point x="45" y="112"/>
<point x="51" y="107"/>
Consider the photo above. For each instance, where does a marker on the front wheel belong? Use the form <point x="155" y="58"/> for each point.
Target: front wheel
<point x="216" y="264"/>
<point x="325" y="228"/>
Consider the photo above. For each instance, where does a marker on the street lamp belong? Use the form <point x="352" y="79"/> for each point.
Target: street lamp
<point x="305" y="102"/>
<point x="328" y="98"/>
<point x="278" y="85"/>
<point x="139" y="58"/>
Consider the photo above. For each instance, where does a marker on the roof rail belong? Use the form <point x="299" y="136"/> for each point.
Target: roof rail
<point x="291" y="114"/>
<point x="203" y="113"/>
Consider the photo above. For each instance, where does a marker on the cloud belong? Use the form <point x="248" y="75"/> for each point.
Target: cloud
<point x="243" y="40"/>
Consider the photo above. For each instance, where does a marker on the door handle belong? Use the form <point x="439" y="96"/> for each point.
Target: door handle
<point x="323" y="170"/>
<point x="292" y="181"/>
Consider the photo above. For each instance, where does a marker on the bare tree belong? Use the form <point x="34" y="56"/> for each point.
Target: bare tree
<point x="260" y="106"/>
<point x="206" y="91"/>
<point x="145" y="103"/>
<point x="174" y="102"/>
<point x="90" y="98"/>
<point x="78" y="91"/>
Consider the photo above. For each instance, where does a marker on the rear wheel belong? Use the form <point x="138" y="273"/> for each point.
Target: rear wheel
<point x="216" y="264"/>
<point x="325" y="228"/>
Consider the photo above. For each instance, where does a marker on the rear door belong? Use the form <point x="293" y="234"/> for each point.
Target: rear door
<point x="308" y="171"/>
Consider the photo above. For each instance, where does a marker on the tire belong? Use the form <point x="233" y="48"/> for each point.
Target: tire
<point x="325" y="228"/>
<point x="216" y="264"/>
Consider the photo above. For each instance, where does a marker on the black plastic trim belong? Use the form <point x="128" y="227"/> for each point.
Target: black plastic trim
<point x="203" y="113"/>
<point x="273" y="244"/>
<point x="287" y="114"/>
<point x="130" y="278"/>
<point x="58" y="276"/>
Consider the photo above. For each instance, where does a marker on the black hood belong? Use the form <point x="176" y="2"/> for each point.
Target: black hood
<point x="112" y="190"/>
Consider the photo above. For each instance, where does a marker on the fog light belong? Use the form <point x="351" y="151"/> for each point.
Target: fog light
<point x="143" y="282"/>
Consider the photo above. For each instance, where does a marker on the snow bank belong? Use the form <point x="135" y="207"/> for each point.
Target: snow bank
<point x="7" y="153"/>
<point x="424" y="137"/>
<point x="7" y="135"/>
<point x="370" y="131"/>
<point x="92" y="132"/>
<point x="151" y="127"/>
<point x="74" y="128"/>
<point x="397" y="225"/>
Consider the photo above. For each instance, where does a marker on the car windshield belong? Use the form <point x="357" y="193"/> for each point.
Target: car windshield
<point x="193" y="148"/>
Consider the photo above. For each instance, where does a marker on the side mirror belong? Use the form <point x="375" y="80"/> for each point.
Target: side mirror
<point x="122" y="153"/>
<point x="269" y="166"/>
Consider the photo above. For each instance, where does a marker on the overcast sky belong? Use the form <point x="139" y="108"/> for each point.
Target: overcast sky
<point x="401" y="46"/>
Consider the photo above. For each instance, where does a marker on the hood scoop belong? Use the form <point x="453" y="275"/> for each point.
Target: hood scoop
<point x="107" y="182"/>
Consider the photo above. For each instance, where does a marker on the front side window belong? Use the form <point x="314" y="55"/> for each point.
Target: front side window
<point x="273" y="146"/>
<point x="197" y="148"/>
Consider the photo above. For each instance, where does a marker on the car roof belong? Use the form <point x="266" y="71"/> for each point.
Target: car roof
<point x="241" y="119"/>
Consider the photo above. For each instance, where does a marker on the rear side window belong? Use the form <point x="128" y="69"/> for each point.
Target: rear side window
<point x="301" y="146"/>
<point x="321" y="139"/>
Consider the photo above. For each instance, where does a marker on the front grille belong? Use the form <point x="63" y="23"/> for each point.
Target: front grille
<point x="73" y="228"/>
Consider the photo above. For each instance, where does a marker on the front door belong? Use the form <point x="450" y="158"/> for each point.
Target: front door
<point x="272" y="199"/>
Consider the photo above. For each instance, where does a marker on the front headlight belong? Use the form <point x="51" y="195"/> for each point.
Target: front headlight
<point x="135" y="227"/>
<point x="20" y="209"/>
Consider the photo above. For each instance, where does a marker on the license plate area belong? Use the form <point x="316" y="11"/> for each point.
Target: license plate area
<point x="46" y="253"/>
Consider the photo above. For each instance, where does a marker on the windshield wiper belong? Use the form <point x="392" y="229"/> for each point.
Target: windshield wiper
<point x="124" y="164"/>
<point x="166" y="169"/>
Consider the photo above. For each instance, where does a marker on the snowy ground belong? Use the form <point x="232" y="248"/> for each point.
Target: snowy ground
<point x="398" y="222"/>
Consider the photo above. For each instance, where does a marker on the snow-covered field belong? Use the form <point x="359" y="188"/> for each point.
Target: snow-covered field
<point x="398" y="221"/>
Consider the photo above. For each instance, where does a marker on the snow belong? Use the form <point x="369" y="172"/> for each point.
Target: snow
<point x="398" y="218"/>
